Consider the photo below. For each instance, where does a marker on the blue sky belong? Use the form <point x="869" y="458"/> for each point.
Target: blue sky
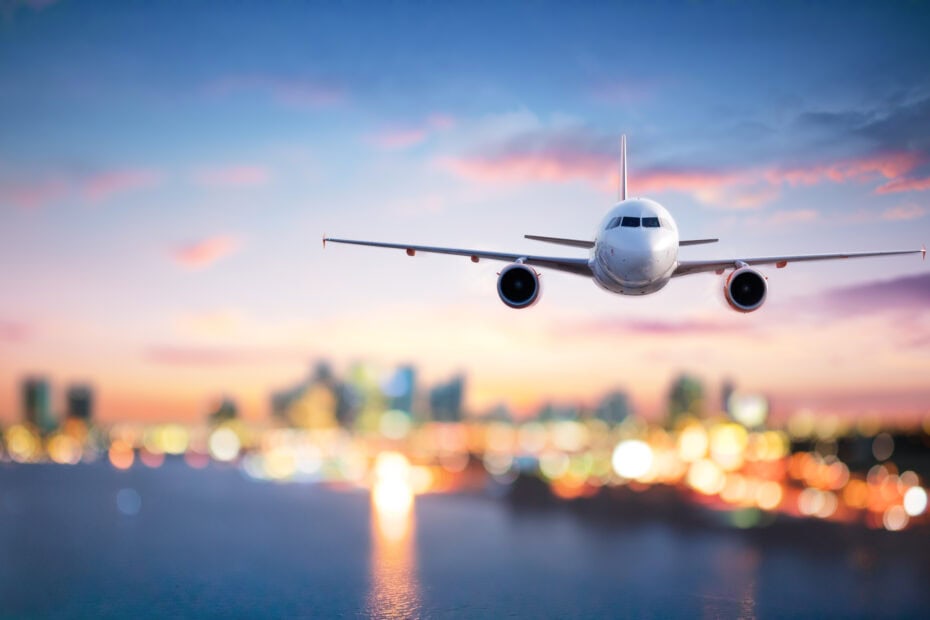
<point x="166" y="172"/>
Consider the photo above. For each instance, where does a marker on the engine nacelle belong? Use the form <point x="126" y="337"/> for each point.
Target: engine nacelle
<point x="745" y="290"/>
<point x="518" y="286"/>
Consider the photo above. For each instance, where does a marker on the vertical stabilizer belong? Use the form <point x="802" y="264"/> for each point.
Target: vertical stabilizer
<point x="623" y="167"/>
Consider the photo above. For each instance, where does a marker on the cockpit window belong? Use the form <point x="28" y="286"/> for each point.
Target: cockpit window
<point x="630" y="222"/>
<point x="613" y="223"/>
<point x="650" y="222"/>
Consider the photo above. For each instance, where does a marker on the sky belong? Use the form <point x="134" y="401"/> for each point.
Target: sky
<point x="167" y="171"/>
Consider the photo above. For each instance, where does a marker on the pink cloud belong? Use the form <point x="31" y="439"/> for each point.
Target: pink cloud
<point x="889" y="166"/>
<point x="219" y="356"/>
<point x="203" y="253"/>
<point x="237" y="176"/>
<point x="398" y="138"/>
<point x="551" y="166"/>
<point x="904" y="185"/>
<point x="104" y="185"/>
<point x="14" y="331"/>
<point x="35" y="191"/>
<point x="904" y="212"/>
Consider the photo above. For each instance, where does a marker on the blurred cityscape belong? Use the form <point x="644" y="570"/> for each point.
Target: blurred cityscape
<point x="719" y="456"/>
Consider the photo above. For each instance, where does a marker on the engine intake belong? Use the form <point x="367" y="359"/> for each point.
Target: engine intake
<point x="745" y="290"/>
<point x="518" y="286"/>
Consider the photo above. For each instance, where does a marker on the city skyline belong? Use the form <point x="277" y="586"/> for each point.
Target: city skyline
<point x="166" y="175"/>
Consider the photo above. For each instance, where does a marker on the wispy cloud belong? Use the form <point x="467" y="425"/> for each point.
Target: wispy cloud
<point x="405" y="136"/>
<point x="31" y="191"/>
<point x="203" y="253"/>
<point x="293" y="91"/>
<point x="219" y="356"/>
<point x="234" y="176"/>
<point x="658" y="327"/>
<point x="905" y="294"/>
<point x="104" y="185"/>
<point x="903" y="212"/>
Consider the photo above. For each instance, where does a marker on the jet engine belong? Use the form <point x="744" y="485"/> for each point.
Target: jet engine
<point x="518" y="286"/>
<point x="745" y="290"/>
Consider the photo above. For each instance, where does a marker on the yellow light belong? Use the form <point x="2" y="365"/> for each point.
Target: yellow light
<point x="632" y="459"/>
<point x="174" y="439"/>
<point x="895" y="519"/>
<point x="224" y="444"/>
<point x="692" y="443"/>
<point x="532" y="437"/>
<point x="21" y="443"/>
<point x="121" y="454"/>
<point x="498" y="463"/>
<point x="727" y="444"/>
<point x="553" y="465"/>
<point x="734" y="489"/>
<point x="64" y="450"/>
<point x="705" y="477"/>
<point x="392" y="493"/>
<point x="769" y="495"/>
<point x="915" y="501"/>
<point x="569" y="436"/>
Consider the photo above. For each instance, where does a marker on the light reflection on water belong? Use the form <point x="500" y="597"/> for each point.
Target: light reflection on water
<point x="395" y="587"/>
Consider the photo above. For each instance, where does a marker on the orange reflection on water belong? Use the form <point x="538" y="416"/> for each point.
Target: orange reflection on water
<point x="395" y="589"/>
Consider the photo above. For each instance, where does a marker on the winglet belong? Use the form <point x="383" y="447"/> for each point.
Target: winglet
<point x="623" y="167"/>
<point x="324" y="241"/>
<point x="923" y="252"/>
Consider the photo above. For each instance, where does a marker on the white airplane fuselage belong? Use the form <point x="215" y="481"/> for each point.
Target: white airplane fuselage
<point x="635" y="248"/>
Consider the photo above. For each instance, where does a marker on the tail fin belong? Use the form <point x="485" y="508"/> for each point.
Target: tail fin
<point x="623" y="167"/>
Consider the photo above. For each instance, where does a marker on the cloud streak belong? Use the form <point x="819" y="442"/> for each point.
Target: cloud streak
<point x="404" y="137"/>
<point x="37" y="191"/>
<point x="201" y="254"/>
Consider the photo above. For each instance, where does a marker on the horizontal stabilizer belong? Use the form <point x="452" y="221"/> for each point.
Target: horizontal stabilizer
<point x="696" y="241"/>
<point x="575" y="243"/>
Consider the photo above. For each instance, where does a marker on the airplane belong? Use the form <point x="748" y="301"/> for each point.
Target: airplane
<point x="634" y="252"/>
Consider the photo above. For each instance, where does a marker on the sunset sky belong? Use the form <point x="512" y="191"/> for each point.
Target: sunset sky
<point x="167" y="171"/>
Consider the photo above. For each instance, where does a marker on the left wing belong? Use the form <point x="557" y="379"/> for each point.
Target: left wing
<point x="577" y="266"/>
<point x="686" y="267"/>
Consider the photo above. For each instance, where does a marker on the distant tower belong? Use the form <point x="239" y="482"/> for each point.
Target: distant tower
<point x="400" y="389"/>
<point x="80" y="400"/>
<point x="614" y="408"/>
<point x="726" y="394"/>
<point x="37" y="403"/>
<point x="445" y="400"/>
<point x="686" y="397"/>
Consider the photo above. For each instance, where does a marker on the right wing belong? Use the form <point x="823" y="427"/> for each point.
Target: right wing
<point x="577" y="266"/>
<point x="686" y="267"/>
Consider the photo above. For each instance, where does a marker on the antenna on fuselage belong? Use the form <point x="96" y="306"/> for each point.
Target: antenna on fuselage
<point x="623" y="167"/>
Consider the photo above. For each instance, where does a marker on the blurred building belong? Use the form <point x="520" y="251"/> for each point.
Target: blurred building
<point x="401" y="389"/>
<point x="726" y="394"/>
<point x="614" y="408"/>
<point x="312" y="404"/>
<point x="225" y="411"/>
<point x="80" y="403"/>
<point x="445" y="400"/>
<point x="36" y="399"/>
<point x="686" y="397"/>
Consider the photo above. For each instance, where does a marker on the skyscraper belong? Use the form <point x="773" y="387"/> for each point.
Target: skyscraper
<point x="80" y="402"/>
<point x="445" y="400"/>
<point x="37" y="409"/>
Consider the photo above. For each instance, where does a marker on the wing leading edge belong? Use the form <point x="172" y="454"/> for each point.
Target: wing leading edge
<point x="578" y="266"/>
<point x="697" y="266"/>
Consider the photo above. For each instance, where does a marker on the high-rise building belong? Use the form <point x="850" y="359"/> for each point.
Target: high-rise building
<point x="614" y="408"/>
<point x="686" y="397"/>
<point x="37" y="406"/>
<point x="400" y="389"/>
<point x="445" y="400"/>
<point x="80" y="403"/>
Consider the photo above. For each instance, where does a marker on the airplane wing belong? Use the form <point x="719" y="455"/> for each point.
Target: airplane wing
<point x="577" y="266"/>
<point x="686" y="267"/>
